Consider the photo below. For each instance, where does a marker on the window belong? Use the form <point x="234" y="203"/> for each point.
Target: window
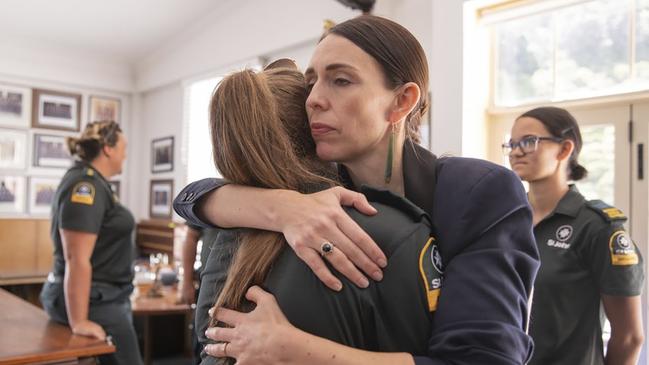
<point x="197" y="149"/>
<point x="590" y="48"/>
<point x="199" y="146"/>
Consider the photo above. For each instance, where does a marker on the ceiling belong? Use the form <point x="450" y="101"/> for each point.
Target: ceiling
<point x="126" y="30"/>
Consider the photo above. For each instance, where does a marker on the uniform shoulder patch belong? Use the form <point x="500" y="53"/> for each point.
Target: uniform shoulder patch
<point x="432" y="271"/>
<point x="83" y="193"/>
<point x="622" y="249"/>
<point x="608" y="212"/>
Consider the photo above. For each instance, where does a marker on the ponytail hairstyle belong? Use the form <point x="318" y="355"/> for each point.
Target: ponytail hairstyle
<point x="399" y="54"/>
<point x="260" y="137"/>
<point x="94" y="137"/>
<point x="560" y="123"/>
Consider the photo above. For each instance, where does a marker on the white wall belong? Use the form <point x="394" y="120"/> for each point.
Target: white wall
<point x="247" y="29"/>
<point x="159" y="113"/>
<point x="28" y="59"/>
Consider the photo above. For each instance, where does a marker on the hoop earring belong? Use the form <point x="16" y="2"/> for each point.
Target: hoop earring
<point x="388" y="166"/>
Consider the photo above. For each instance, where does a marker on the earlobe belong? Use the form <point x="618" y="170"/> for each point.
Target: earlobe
<point x="406" y="100"/>
<point x="567" y="147"/>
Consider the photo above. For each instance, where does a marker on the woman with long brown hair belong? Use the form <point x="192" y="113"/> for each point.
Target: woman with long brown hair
<point x="260" y="139"/>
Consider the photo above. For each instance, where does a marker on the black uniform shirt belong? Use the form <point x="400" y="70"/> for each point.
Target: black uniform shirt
<point x="84" y="202"/>
<point x="585" y="252"/>
<point x="394" y="314"/>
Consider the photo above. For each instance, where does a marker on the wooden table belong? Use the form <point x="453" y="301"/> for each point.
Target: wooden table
<point x="164" y="305"/>
<point x="29" y="337"/>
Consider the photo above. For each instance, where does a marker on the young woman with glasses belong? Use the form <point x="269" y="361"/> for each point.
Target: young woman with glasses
<point x="586" y="255"/>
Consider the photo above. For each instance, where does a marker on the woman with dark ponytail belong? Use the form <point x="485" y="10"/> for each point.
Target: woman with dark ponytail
<point x="90" y="283"/>
<point x="586" y="255"/>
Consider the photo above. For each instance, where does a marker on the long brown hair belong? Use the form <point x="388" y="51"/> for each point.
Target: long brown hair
<point x="400" y="55"/>
<point x="260" y="137"/>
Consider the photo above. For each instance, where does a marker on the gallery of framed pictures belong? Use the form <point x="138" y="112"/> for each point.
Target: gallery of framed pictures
<point x="104" y="108"/>
<point x="21" y="194"/>
<point x="162" y="154"/>
<point x="160" y="197"/>
<point x="56" y="110"/>
<point x="15" y="106"/>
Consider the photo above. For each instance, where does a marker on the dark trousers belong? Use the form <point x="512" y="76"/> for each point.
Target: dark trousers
<point x="110" y="307"/>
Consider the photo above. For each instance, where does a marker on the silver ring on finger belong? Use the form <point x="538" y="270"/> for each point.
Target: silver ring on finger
<point x="326" y="248"/>
<point x="225" y="349"/>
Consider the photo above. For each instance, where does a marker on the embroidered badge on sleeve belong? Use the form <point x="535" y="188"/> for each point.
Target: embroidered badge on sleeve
<point x="622" y="249"/>
<point x="432" y="270"/>
<point x="83" y="193"/>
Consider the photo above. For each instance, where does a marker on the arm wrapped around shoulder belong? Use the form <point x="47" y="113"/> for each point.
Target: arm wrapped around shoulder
<point x="187" y="200"/>
<point x="484" y="227"/>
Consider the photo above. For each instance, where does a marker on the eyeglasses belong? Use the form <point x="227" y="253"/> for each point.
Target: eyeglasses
<point x="528" y="144"/>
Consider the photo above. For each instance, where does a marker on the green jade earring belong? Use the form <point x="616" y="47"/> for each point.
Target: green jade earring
<point x="388" y="165"/>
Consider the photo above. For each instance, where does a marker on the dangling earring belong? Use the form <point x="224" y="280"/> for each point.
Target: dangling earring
<point x="388" y="165"/>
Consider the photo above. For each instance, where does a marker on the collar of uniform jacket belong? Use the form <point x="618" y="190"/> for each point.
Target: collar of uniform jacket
<point x="419" y="175"/>
<point x="570" y="203"/>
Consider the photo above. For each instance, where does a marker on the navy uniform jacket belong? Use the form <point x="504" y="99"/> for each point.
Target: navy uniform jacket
<point x="483" y="224"/>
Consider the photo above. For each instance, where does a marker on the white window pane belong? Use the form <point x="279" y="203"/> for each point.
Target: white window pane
<point x="642" y="40"/>
<point x="199" y="148"/>
<point x="524" y="60"/>
<point x="598" y="157"/>
<point x="592" y="47"/>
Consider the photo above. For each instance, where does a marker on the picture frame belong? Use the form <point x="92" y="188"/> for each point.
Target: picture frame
<point x="13" y="149"/>
<point x="104" y="108"/>
<point x="160" y="198"/>
<point x="12" y="194"/>
<point x="41" y="194"/>
<point x="56" y="110"/>
<point x="115" y="186"/>
<point x="51" y="150"/>
<point x="162" y="154"/>
<point x="15" y="106"/>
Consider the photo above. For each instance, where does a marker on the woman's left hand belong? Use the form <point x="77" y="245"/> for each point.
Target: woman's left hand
<point x="254" y="337"/>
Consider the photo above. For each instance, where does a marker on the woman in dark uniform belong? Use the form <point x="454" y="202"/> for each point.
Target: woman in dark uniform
<point x="90" y="283"/>
<point x="366" y="82"/>
<point x="586" y="255"/>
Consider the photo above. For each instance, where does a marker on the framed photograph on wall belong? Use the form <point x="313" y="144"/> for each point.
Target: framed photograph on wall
<point x="56" y="110"/>
<point x="103" y="108"/>
<point x="160" y="198"/>
<point x="115" y="186"/>
<point x="13" y="149"/>
<point x="12" y="194"/>
<point x="15" y="106"/>
<point x="162" y="154"/>
<point x="41" y="194"/>
<point x="51" y="151"/>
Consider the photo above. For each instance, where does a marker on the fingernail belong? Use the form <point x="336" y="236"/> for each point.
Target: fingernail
<point x="338" y="286"/>
<point x="363" y="282"/>
<point x="382" y="262"/>
<point x="377" y="275"/>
